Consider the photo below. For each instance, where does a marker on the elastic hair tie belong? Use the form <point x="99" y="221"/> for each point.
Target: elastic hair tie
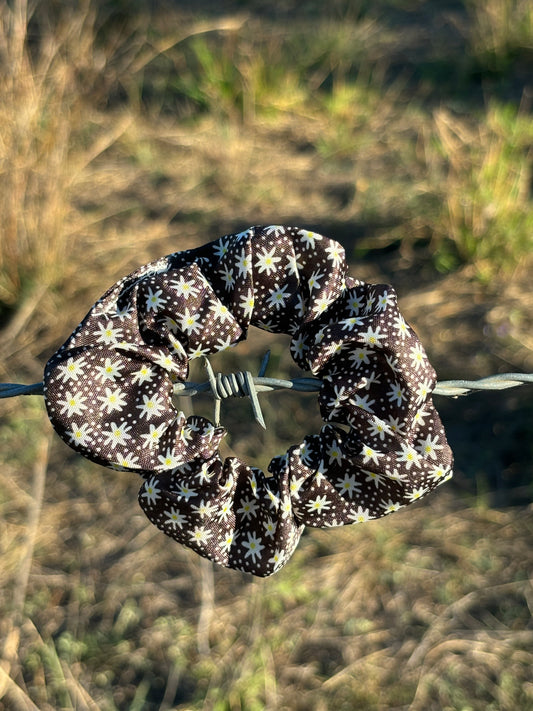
<point x="108" y="393"/>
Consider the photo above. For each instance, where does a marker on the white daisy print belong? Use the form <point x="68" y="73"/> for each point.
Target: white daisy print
<point x="429" y="447"/>
<point x="293" y="266"/>
<point x="198" y="352"/>
<point x="244" y="264"/>
<point x="224" y="343"/>
<point x="73" y="404"/>
<point x="381" y="445"/>
<point x="72" y="369"/>
<point x="360" y="516"/>
<point x="227" y="278"/>
<point x="440" y="474"/>
<point x="270" y="527"/>
<point x="247" y="303"/>
<point x="373" y="336"/>
<point x="334" y="453"/>
<point x="278" y="558"/>
<point x="128" y="461"/>
<point x="248" y="509"/>
<point x="309" y="239"/>
<point x="408" y="456"/>
<point x="423" y="391"/>
<point x="355" y="304"/>
<point x="373" y="478"/>
<point x="110" y="370"/>
<point x="227" y="541"/>
<point x="335" y="254"/>
<point x="385" y="300"/>
<point x="185" y="287"/>
<point x="314" y="280"/>
<point x="225" y="510"/>
<point x="379" y="429"/>
<point x="321" y="503"/>
<point x="396" y="394"/>
<point x="254" y="546"/>
<point x="80" y="434"/>
<point x="169" y="459"/>
<point x="274" y="230"/>
<point x="175" y="519"/>
<point x="417" y="356"/>
<point x="186" y="492"/>
<point x="360" y="356"/>
<point x="365" y="403"/>
<point x="151" y="492"/>
<point x="151" y="438"/>
<point x="204" y="509"/>
<point x="152" y="406"/>
<point x="144" y="375"/>
<point x="352" y="322"/>
<point x="190" y="322"/>
<point x="416" y="494"/>
<point x="117" y="435"/>
<point x="113" y="400"/>
<point x="402" y="329"/>
<point x="371" y="455"/>
<point x="107" y="333"/>
<point x="278" y="297"/>
<point x="321" y="304"/>
<point x="154" y="300"/>
<point x="221" y="311"/>
<point x="266" y="261"/>
<point x="420" y="416"/>
<point x="221" y="248"/>
<point x="390" y="506"/>
<point x="349" y="485"/>
<point x="200" y="535"/>
<point x="299" y="346"/>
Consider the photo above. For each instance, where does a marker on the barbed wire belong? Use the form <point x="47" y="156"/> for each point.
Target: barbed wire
<point x="244" y="384"/>
<point x="502" y="381"/>
<point x="447" y="388"/>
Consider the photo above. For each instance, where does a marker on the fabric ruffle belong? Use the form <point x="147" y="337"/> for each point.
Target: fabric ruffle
<point x="108" y="392"/>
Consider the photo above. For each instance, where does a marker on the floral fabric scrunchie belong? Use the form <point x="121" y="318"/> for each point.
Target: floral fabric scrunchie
<point x="108" y="392"/>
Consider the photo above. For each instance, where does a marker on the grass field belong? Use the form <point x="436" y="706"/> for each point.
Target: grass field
<point x="401" y="128"/>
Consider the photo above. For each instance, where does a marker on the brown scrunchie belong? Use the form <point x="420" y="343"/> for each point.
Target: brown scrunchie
<point x="108" y="392"/>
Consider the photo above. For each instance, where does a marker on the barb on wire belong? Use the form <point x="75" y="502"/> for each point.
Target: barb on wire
<point x="239" y="384"/>
<point x="243" y="384"/>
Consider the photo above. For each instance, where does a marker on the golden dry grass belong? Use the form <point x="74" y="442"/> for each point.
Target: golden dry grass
<point x="126" y="137"/>
<point x="427" y="609"/>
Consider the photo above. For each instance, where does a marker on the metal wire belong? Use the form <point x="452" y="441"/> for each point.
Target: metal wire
<point x="239" y="384"/>
<point x="243" y="384"/>
<point x="455" y="388"/>
<point x="448" y="388"/>
<point x="14" y="389"/>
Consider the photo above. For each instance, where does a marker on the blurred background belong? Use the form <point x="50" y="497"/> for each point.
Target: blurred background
<point x="404" y="130"/>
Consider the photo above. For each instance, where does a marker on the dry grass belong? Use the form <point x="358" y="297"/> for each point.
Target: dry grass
<point x="125" y="138"/>
<point x="501" y="28"/>
<point x="485" y="173"/>
<point x="50" y="137"/>
<point x="429" y="609"/>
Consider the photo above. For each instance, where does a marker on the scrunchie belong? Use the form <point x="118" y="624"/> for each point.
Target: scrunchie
<point x="108" y="392"/>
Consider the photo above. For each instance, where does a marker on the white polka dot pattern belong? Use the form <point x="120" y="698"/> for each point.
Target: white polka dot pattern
<point x="108" y="394"/>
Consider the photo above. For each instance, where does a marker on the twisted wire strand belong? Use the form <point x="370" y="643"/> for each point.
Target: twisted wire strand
<point x="238" y="385"/>
<point x="503" y="381"/>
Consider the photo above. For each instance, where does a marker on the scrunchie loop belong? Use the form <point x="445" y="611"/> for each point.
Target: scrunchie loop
<point x="108" y="392"/>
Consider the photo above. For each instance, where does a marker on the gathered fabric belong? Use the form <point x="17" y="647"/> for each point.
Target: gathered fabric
<point x="109" y="389"/>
